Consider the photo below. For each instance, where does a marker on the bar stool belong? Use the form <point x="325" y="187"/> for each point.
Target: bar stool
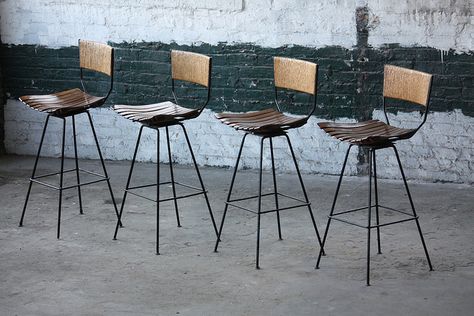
<point x="399" y="84"/>
<point x="96" y="57"/>
<point x="291" y="74"/>
<point x="185" y="66"/>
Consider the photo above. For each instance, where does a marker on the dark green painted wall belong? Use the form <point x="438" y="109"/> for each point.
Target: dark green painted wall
<point x="350" y="80"/>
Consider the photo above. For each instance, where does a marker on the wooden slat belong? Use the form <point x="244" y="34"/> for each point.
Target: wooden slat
<point x="265" y="121"/>
<point x="156" y="113"/>
<point x="345" y="125"/>
<point x="62" y="103"/>
<point x="245" y="115"/>
<point x="372" y="132"/>
<point x="255" y="119"/>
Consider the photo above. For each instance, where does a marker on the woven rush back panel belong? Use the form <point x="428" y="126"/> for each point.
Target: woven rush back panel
<point x="406" y="84"/>
<point x="191" y="67"/>
<point x="96" y="56"/>
<point x="295" y="74"/>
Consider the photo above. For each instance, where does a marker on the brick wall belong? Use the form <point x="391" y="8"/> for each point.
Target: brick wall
<point x="242" y="77"/>
<point x="41" y="56"/>
<point x="441" y="151"/>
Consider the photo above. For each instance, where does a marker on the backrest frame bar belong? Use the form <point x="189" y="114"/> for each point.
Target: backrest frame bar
<point x="290" y="84"/>
<point x="407" y="80"/>
<point x="190" y="77"/>
<point x="85" y="61"/>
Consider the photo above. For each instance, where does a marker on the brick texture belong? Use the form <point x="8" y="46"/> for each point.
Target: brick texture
<point x="242" y="77"/>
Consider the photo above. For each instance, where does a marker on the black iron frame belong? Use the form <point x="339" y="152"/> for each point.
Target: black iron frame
<point x="34" y="178"/>
<point x="373" y="168"/>
<point x="174" y="198"/>
<point x="276" y="194"/>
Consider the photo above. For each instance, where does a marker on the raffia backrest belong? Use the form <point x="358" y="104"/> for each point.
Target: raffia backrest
<point x="191" y="67"/>
<point x="96" y="56"/>
<point x="295" y="74"/>
<point x="406" y="84"/>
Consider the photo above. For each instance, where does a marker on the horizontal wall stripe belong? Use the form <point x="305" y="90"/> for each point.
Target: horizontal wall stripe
<point x="242" y="76"/>
<point x="270" y="23"/>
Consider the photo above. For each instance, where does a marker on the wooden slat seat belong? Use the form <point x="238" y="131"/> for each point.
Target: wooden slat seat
<point x="261" y="122"/>
<point x="368" y="133"/>
<point x="64" y="103"/>
<point x="158" y="114"/>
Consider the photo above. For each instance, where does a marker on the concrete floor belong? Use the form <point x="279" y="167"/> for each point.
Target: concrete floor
<point x="87" y="273"/>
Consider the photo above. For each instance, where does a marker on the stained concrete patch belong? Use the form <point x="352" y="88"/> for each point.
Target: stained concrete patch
<point x="87" y="273"/>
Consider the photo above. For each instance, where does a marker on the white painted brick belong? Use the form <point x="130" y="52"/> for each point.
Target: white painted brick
<point x="57" y="23"/>
<point x="441" y="156"/>
<point x="436" y="23"/>
<point x="214" y="143"/>
<point x="428" y="156"/>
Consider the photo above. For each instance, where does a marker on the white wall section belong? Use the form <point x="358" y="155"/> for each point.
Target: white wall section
<point x="442" y="24"/>
<point x="442" y="150"/>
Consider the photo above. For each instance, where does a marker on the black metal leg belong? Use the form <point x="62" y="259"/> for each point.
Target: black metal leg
<point x="275" y="188"/>
<point x="77" y="164"/>
<point x="173" y="186"/>
<point x="413" y="208"/>
<point x="379" y="249"/>
<point x="157" y="191"/>
<point x="333" y="206"/>
<point x="200" y="179"/>
<point x="304" y="193"/>
<point x="34" y="171"/>
<point x="230" y="193"/>
<point x="257" y="258"/>
<point x="61" y="174"/>
<point x="103" y="165"/>
<point x="128" y="182"/>
<point x="369" y="217"/>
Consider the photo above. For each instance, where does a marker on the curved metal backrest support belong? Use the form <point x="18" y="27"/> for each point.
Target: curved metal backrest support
<point x="193" y="68"/>
<point x="97" y="57"/>
<point x="295" y="74"/>
<point x="407" y="85"/>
